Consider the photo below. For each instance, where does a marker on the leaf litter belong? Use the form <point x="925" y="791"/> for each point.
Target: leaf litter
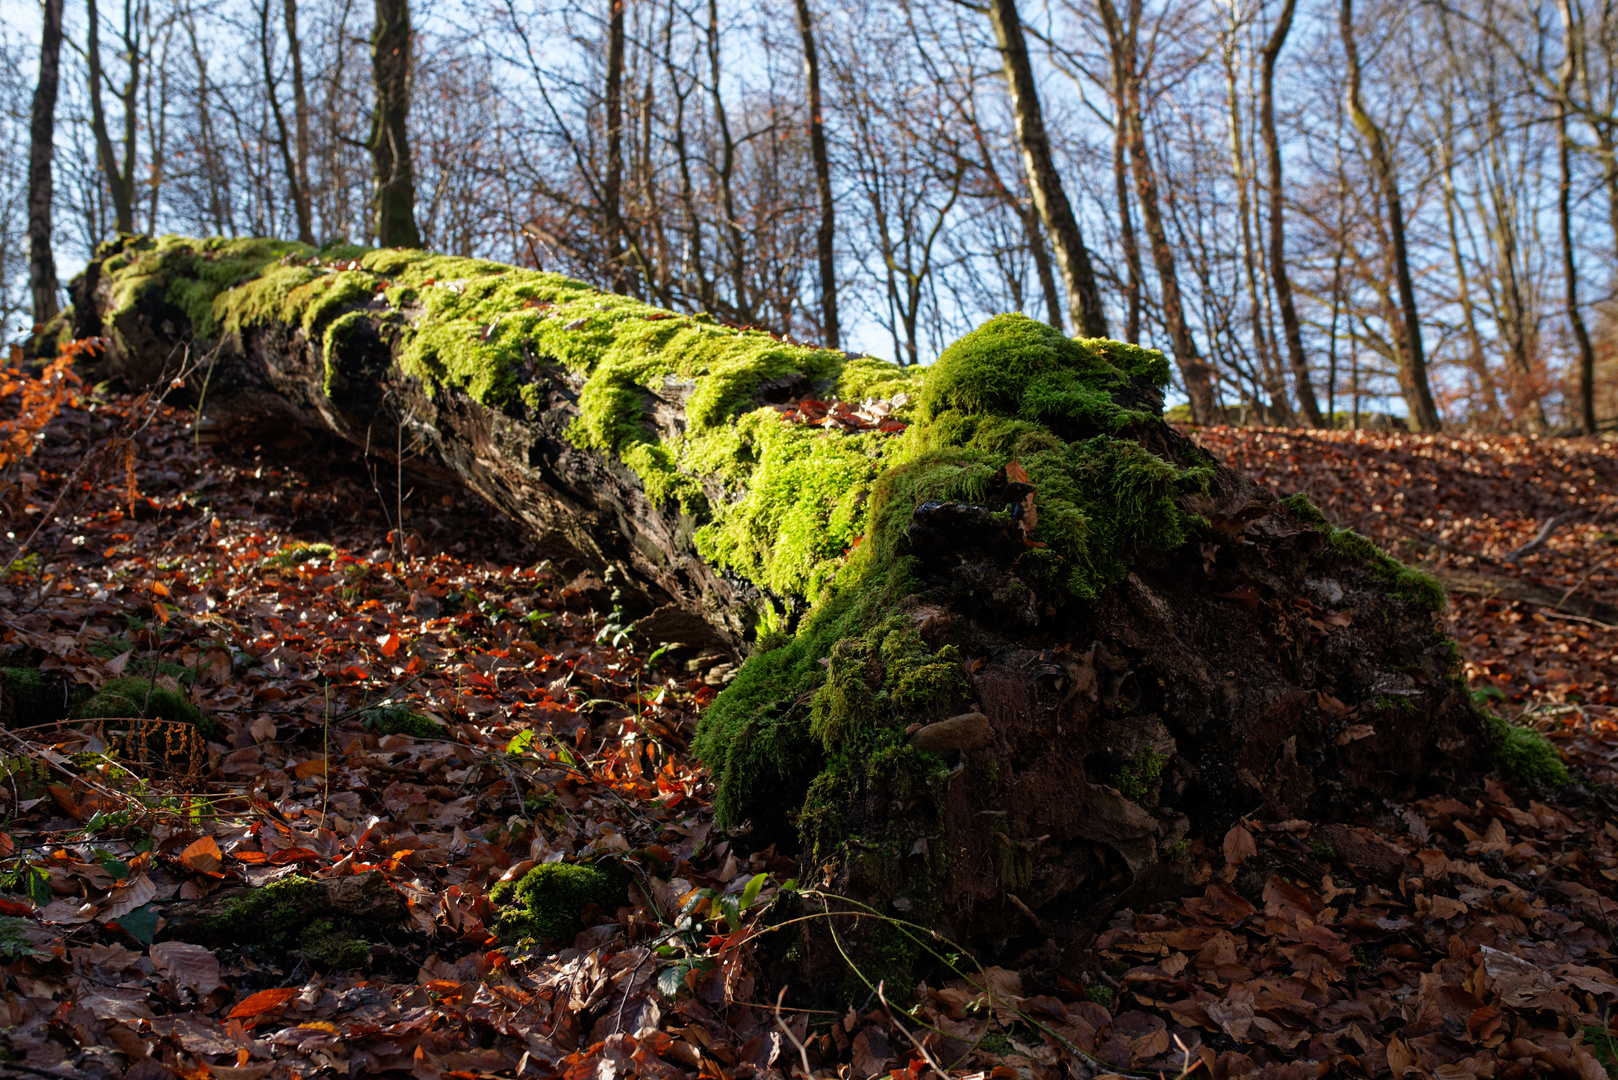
<point x="427" y="705"/>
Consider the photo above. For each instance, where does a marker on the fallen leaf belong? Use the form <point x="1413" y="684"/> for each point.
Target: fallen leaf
<point x="255" y="1005"/>
<point x="192" y="967"/>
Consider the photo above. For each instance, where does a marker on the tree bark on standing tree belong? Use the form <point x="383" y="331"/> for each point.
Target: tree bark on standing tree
<point x="119" y="175"/>
<point x="826" y="231"/>
<point x="612" y="183"/>
<point x="1291" y="330"/>
<point x="1564" y="215"/>
<point x="1418" y="393"/>
<point x="1196" y="372"/>
<point x="291" y="153"/>
<point x="394" y="197"/>
<point x="1067" y="240"/>
<point x="41" y="150"/>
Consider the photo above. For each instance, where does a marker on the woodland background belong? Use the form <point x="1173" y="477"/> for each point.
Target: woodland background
<point x="244" y="118"/>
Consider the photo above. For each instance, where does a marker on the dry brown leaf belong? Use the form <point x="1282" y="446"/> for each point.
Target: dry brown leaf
<point x="1239" y="846"/>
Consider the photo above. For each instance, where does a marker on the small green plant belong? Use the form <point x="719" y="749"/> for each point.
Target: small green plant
<point x="1101" y="995"/>
<point x="299" y="552"/>
<point x="1134" y="781"/>
<point x="14" y="943"/>
<point x="23" y="566"/>
<point x="1604" y="1045"/>
<point x="1323" y="852"/>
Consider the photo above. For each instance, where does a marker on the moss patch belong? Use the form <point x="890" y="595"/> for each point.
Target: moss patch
<point x="1526" y="754"/>
<point x="134" y="698"/>
<point x="290" y="916"/>
<point x="399" y="720"/>
<point x="545" y="903"/>
<point x="27" y="697"/>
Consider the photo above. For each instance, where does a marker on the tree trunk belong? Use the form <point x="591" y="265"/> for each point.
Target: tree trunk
<point x="612" y="184"/>
<point x="1196" y="372"/>
<point x="1067" y="240"/>
<point x="961" y="707"/>
<point x="300" y="125"/>
<point x="284" y="140"/>
<point x="826" y="231"/>
<point x="1279" y="412"/>
<point x="1564" y="220"/>
<point x="1126" y="220"/>
<point x="1418" y="393"/>
<point x="393" y="176"/>
<point x="41" y="149"/>
<point x="1291" y="329"/>
<point x="119" y="177"/>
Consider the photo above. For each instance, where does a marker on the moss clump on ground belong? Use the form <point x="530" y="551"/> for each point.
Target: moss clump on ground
<point x="290" y="916"/>
<point x="545" y="903"/>
<point x="399" y="720"/>
<point x="1526" y="754"/>
<point x="142" y="699"/>
<point x="27" y="697"/>
<point x="299" y="552"/>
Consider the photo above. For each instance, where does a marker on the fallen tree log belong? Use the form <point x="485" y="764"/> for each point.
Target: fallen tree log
<point x="1499" y="587"/>
<point x="1018" y="649"/>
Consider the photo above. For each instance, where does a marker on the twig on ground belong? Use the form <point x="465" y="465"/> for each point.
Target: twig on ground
<point x="803" y="1051"/>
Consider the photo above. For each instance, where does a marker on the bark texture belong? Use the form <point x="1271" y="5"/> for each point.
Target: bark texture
<point x="1009" y="666"/>
<point x="394" y="178"/>
<point x="1413" y="381"/>
<point x="41" y="151"/>
<point x="826" y="230"/>
<point x="1291" y="329"/>
<point x="1083" y="298"/>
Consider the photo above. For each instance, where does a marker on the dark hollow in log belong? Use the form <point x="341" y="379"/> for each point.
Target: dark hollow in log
<point x="1019" y="649"/>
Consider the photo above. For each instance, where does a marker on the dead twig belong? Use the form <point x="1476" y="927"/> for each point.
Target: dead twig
<point x="1545" y="531"/>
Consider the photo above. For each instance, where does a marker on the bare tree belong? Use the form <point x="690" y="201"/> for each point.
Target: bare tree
<point x="1407" y="331"/>
<point x="1122" y="38"/>
<point x="1564" y="218"/>
<point x="394" y="198"/>
<point x="1067" y="240"/>
<point x="825" y="232"/>
<point x="118" y="172"/>
<point x="41" y="149"/>
<point x="1280" y="276"/>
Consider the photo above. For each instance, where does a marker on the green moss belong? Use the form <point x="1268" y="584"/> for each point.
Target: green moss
<point x="1101" y="995"/>
<point x="26" y="697"/>
<point x="135" y="698"/>
<point x="545" y="903"/>
<point x="1406" y="583"/>
<point x="399" y="720"/>
<point x="290" y="916"/>
<point x="330" y="947"/>
<point x="1138" y="780"/>
<point x="299" y="552"/>
<point x="190" y="274"/>
<point x="1302" y="510"/>
<point x="1526" y="754"/>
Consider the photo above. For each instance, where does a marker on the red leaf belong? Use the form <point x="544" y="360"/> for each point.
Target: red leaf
<point x="262" y="1002"/>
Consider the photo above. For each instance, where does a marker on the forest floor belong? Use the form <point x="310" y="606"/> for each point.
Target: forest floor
<point x="1446" y="938"/>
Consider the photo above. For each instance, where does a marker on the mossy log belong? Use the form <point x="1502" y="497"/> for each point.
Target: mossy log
<point x="1013" y="650"/>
